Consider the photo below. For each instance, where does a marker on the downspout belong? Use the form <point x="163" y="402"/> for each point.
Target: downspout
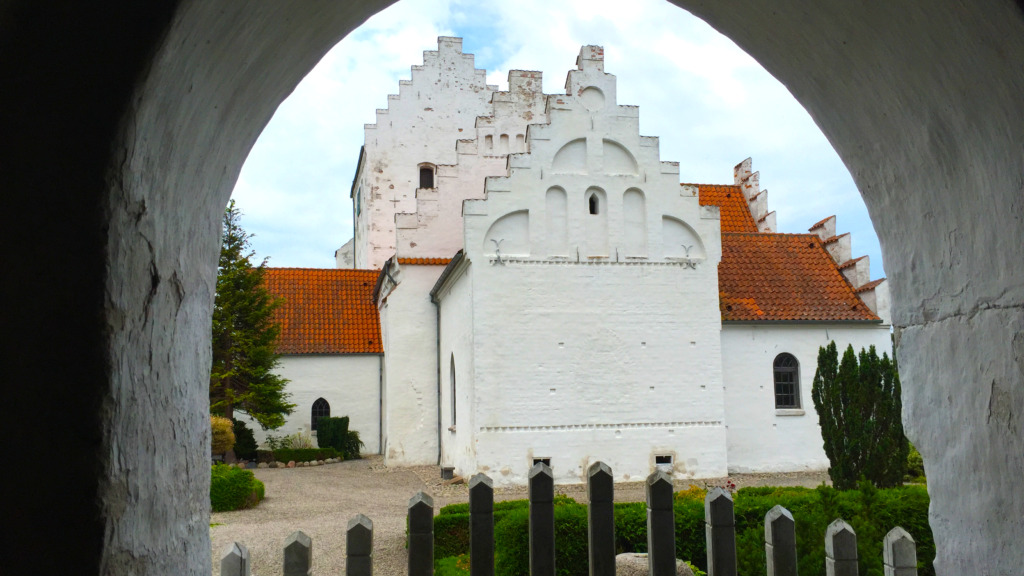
<point x="437" y="344"/>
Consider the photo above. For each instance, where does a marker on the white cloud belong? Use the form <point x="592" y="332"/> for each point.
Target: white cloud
<point x="710" y="103"/>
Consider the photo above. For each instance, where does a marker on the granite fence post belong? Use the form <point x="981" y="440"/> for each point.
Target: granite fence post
<point x="235" y="561"/>
<point x="720" y="533"/>
<point x="780" y="542"/>
<point x="359" y="547"/>
<point x="899" y="552"/>
<point x="542" y="520"/>
<point x="661" y="525"/>
<point x="421" y="535"/>
<point x="298" y="555"/>
<point x="840" y="549"/>
<point x="481" y="526"/>
<point x="601" y="519"/>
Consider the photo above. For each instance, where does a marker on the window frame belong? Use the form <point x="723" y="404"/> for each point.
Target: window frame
<point x="780" y="371"/>
<point x="313" y="418"/>
<point x="427" y="168"/>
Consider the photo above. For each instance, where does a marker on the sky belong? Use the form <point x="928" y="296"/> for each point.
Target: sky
<point x="710" y="104"/>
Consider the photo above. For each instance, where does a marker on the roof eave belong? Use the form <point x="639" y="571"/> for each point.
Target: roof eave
<point x="791" y="322"/>
<point x="445" y="274"/>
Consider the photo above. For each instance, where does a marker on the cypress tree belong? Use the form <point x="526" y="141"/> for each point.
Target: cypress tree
<point x="244" y="334"/>
<point x="859" y="410"/>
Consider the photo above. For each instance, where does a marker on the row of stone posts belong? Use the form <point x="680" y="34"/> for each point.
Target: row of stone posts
<point x="900" y="554"/>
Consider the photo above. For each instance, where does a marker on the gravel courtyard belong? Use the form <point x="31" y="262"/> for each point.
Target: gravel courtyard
<point x="321" y="500"/>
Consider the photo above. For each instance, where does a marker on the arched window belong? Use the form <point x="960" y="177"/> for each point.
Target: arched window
<point x="426" y="175"/>
<point x="594" y="203"/>
<point x="787" y="381"/>
<point x="321" y="409"/>
<point x="452" y="371"/>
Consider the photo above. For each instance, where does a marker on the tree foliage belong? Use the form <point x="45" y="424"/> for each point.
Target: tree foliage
<point x="244" y="334"/>
<point x="859" y="409"/>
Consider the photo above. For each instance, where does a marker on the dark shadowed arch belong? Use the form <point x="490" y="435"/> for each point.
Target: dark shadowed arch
<point x="125" y="126"/>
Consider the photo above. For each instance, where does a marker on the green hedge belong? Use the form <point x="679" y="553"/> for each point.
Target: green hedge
<point x="232" y="488"/>
<point x="871" y="512"/>
<point x="331" y="432"/>
<point x="245" y="441"/>
<point x="304" y="454"/>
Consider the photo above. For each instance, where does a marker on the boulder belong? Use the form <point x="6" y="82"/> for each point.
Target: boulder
<point x="291" y="464"/>
<point x="632" y="564"/>
<point x="263" y="465"/>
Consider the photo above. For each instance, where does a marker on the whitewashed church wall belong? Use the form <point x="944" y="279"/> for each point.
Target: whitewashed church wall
<point x="458" y="447"/>
<point x="409" y="327"/>
<point x="581" y="362"/>
<point x="435" y="229"/>
<point x="591" y="342"/>
<point x="420" y="125"/>
<point x="350" y="383"/>
<point x="761" y="438"/>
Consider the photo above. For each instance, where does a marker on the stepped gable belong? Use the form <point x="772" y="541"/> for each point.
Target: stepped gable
<point x="732" y="205"/>
<point x="326" y="311"/>
<point x="784" y="277"/>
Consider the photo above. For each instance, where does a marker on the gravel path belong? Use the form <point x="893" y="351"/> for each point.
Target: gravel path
<point x="321" y="500"/>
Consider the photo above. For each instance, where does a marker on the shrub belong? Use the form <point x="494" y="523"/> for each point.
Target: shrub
<point x="232" y="488"/>
<point x="331" y="432"/>
<point x="304" y="454"/>
<point x="273" y="442"/>
<point x="265" y="456"/>
<point x="352" y="445"/>
<point x="222" y="438"/>
<point x="245" y="442"/>
<point x="300" y="441"/>
<point x="872" y="513"/>
<point x="334" y="433"/>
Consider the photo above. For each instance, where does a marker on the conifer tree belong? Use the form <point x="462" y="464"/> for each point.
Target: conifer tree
<point x="858" y="404"/>
<point x="244" y="334"/>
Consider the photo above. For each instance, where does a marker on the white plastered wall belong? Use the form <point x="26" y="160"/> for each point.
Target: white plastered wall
<point x="594" y="355"/>
<point x="350" y="383"/>
<point x="458" y="440"/>
<point x="409" y="331"/>
<point x="421" y="124"/>
<point x="434" y="229"/>
<point x="761" y="438"/>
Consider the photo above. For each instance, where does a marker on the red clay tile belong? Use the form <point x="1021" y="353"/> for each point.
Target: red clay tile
<point x="784" y="277"/>
<point x="732" y="204"/>
<point x="326" y="311"/>
<point x="424" y="261"/>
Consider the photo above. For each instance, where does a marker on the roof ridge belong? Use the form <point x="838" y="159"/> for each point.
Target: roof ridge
<point x="835" y="238"/>
<point x="699" y="184"/>
<point x="821" y="222"/>
<point x="869" y="286"/>
<point x="851" y="262"/>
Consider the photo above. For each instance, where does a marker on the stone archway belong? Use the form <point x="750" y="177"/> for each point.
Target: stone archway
<point x="124" y="132"/>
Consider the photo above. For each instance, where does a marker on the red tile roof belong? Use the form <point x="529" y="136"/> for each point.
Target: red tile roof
<point x="820" y="223"/>
<point x="326" y="311"/>
<point x="870" y="285"/>
<point x="424" y="261"/>
<point x="851" y="262"/>
<point x="765" y="277"/>
<point x="734" y="210"/>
